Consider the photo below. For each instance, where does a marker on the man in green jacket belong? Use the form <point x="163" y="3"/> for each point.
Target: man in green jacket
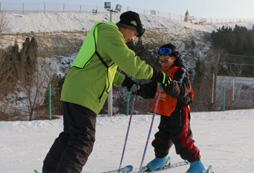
<point x="87" y="85"/>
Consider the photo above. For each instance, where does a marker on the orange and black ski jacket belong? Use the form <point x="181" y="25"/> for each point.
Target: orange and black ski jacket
<point x="179" y="93"/>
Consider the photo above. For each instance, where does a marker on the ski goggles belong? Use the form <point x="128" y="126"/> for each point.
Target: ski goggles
<point x="164" y="51"/>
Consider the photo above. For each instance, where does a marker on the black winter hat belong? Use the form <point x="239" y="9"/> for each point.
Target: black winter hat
<point x="131" y="20"/>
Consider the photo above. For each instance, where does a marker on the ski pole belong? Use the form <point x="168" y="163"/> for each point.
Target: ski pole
<point x="150" y="130"/>
<point x="128" y="129"/>
<point x="128" y="103"/>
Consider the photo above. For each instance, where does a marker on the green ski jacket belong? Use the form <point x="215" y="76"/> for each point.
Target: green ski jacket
<point x="94" y="70"/>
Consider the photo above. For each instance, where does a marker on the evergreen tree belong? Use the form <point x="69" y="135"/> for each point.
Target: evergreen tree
<point x="239" y="40"/>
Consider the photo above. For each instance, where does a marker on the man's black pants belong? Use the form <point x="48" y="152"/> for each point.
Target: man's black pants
<point x="71" y="149"/>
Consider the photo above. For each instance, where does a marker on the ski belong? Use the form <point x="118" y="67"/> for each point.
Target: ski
<point x="209" y="169"/>
<point x="170" y="166"/>
<point x="125" y="169"/>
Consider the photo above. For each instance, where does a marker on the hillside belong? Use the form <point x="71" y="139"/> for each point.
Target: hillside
<point x="60" y="35"/>
<point x="57" y="31"/>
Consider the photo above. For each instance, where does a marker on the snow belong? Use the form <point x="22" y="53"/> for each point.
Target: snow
<point x="224" y="138"/>
<point x="50" y="22"/>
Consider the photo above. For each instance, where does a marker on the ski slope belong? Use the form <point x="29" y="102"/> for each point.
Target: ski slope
<point x="224" y="138"/>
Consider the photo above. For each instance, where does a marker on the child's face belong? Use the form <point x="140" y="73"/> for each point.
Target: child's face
<point x="166" y="61"/>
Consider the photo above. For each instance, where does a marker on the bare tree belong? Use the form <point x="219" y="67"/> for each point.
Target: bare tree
<point x="33" y="77"/>
<point x="3" y="82"/>
<point x="34" y="87"/>
<point x="23" y="79"/>
<point x="8" y="77"/>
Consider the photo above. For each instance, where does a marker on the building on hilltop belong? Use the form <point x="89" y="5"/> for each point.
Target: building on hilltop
<point x="188" y="18"/>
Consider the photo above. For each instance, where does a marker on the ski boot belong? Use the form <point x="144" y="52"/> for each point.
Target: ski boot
<point x="196" y="167"/>
<point x="158" y="163"/>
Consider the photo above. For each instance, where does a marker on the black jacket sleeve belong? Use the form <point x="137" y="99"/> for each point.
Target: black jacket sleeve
<point x="147" y="90"/>
<point x="180" y="87"/>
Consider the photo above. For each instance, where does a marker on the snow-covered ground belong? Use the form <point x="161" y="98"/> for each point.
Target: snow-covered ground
<point x="224" y="138"/>
<point x="50" y="22"/>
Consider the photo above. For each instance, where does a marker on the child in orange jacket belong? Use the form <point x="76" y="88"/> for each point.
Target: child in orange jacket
<point x="173" y="106"/>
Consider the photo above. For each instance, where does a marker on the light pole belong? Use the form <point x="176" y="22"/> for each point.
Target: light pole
<point x="107" y="5"/>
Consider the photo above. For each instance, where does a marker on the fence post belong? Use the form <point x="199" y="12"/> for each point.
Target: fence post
<point x="213" y="86"/>
<point x="0" y="7"/>
<point x="49" y="101"/>
<point x="233" y="90"/>
<point x="63" y="8"/>
<point x="223" y="98"/>
<point x="80" y="8"/>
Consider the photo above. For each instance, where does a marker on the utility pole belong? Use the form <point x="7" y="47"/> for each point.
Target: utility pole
<point x="110" y="95"/>
<point x="107" y="5"/>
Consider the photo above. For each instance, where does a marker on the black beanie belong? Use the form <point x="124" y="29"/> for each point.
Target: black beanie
<point x="131" y="20"/>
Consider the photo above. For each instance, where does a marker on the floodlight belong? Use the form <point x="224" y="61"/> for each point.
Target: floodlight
<point x="118" y="8"/>
<point x="107" y="5"/>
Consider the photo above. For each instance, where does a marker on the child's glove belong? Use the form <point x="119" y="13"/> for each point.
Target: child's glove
<point x="131" y="85"/>
<point x="161" y="77"/>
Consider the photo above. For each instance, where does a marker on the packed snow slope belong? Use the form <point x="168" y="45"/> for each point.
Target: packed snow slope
<point x="224" y="138"/>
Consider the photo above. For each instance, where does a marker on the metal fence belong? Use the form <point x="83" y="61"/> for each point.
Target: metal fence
<point x="234" y="92"/>
<point x="234" y="85"/>
<point x="47" y="7"/>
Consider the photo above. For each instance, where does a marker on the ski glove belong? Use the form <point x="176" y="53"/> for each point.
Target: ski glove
<point x="131" y="85"/>
<point x="161" y="77"/>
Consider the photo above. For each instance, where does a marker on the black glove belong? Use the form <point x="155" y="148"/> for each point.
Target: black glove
<point x="131" y="85"/>
<point x="161" y="77"/>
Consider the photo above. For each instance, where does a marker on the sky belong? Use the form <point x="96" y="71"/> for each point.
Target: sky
<point x="197" y="8"/>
